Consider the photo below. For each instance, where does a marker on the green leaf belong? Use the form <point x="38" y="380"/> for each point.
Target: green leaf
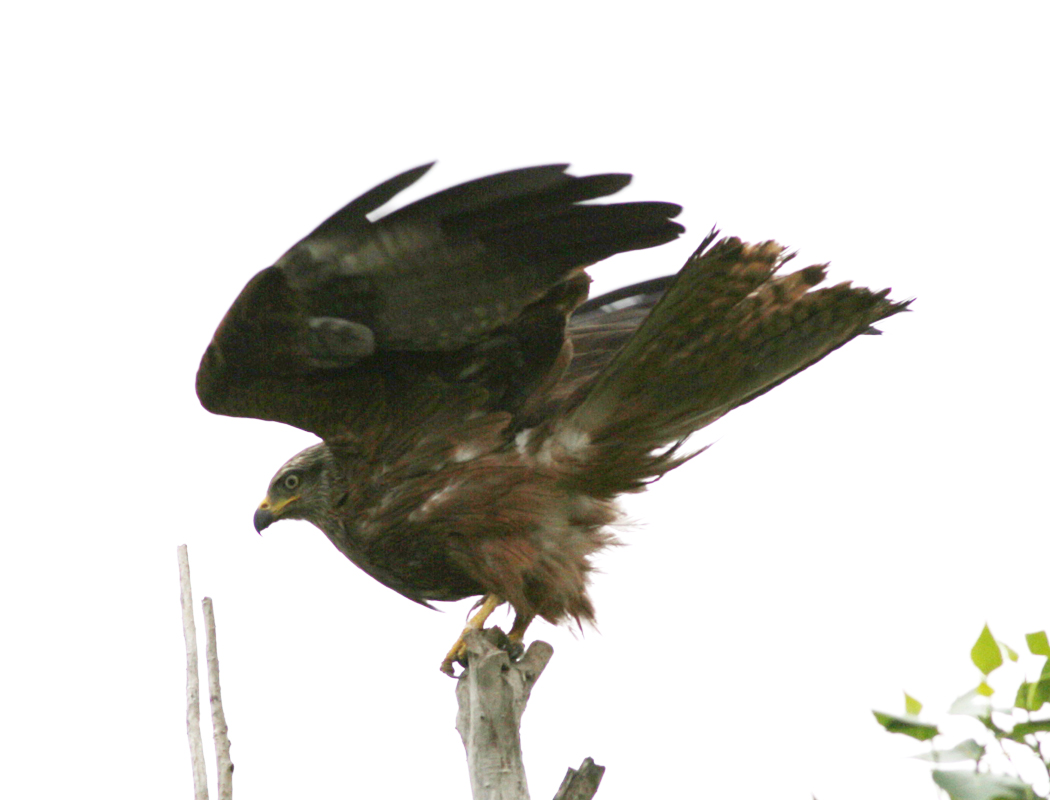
<point x="985" y="654"/>
<point x="965" y="785"/>
<point x="964" y="751"/>
<point x="911" y="705"/>
<point x="1037" y="643"/>
<point x="1032" y="696"/>
<point x="1010" y="652"/>
<point x="906" y="724"/>
<point x="1023" y="696"/>
<point x="1025" y="728"/>
<point x="984" y="690"/>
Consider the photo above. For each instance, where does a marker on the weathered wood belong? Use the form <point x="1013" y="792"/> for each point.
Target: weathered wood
<point x="224" y="765"/>
<point x="582" y="783"/>
<point x="492" y="693"/>
<point x="193" y="708"/>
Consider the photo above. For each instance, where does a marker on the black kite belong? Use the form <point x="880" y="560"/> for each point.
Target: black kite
<point x="478" y="414"/>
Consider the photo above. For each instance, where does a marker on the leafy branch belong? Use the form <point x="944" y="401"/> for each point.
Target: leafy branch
<point x="1025" y="726"/>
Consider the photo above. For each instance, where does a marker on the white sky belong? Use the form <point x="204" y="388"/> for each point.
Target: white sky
<point x="845" y="539"/>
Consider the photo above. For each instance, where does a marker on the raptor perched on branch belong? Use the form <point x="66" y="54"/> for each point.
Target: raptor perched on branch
<point x="478" y="414"/>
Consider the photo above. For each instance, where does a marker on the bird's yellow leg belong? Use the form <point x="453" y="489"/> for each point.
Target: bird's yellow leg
<point x="489" y="603"/>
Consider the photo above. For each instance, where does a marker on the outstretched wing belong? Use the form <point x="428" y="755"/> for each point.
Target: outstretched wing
<point x="659" y="360"/>
<point x="470" y="286"/>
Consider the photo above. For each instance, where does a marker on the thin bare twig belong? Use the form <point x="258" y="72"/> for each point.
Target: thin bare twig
<point x="224" y="765"/>
<point x="193" y="708"/>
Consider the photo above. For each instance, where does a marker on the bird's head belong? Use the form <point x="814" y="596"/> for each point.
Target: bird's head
<point x="299" y="490"/>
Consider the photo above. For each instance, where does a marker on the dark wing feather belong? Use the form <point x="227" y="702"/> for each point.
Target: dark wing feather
<point x="605" y="307"/>
<point x="352" y="217"/>
<point x="597" y="330"/>
<point x="602" y="325"/>
<point x="476" y="280"/>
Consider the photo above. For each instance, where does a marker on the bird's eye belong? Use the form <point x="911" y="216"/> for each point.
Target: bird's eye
<point x="291" y="481"/>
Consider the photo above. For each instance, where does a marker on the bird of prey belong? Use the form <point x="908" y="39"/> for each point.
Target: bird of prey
<point x="478" y="414"/>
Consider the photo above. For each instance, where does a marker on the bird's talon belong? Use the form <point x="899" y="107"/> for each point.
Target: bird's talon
<point x="512" y="646"/>
<point x="515" y="649"/>
<point x="457" y="654"/>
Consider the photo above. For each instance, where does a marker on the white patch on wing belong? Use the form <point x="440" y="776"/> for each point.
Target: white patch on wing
<point x="566" y="443"/>
<point x="573" y="440"/>
<point x="471" y="369"/>
<point x="627" y="302"/>
<point x="521" y="441"/>
<point x="465" y="452"/>
<point x="433" y="503"/>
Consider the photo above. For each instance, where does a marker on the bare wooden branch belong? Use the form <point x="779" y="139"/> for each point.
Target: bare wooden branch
<point x="193" y="708"/>
<point x="492" y="693"/>
<point x="581" y="784"/>
<point x="224" y="765"/>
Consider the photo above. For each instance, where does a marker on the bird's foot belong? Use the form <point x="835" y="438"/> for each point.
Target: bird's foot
<point x="514" y="646"/>
<point x="458" y="654"/>
<point x="458" y="651"/>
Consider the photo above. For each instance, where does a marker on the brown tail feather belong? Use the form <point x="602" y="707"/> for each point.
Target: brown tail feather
<point x="728" y="330"/>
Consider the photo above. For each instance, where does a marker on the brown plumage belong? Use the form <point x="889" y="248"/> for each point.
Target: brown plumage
<point x="479" y="414"/>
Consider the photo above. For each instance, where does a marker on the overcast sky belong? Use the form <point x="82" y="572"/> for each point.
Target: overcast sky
<point x="844" y="539"/>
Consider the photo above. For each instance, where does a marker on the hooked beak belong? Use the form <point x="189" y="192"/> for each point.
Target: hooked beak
<point x="268" y="512"/>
